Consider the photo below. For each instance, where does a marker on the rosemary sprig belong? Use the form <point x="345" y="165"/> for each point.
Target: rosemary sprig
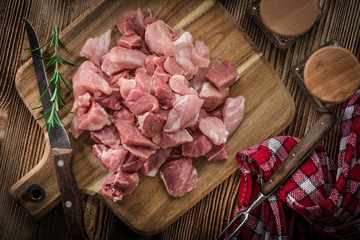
<point x="54" y="61"/>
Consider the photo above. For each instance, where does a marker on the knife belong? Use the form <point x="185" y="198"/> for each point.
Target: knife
<point x="60" y="148"/>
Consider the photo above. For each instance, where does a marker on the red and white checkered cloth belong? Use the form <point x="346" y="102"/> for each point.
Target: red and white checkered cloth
<point x="322" y="195"/>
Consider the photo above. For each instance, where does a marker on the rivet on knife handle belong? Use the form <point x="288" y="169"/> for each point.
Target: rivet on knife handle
<point x="71" y="198"/>
<point x="307" y="144"/>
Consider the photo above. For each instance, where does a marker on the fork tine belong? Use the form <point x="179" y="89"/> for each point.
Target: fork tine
<point x="230" y="225"/>
<point x="240" y="225"/>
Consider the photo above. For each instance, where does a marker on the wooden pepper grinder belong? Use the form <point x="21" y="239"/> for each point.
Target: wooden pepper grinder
<point x="288" y="18"/>
<point x="332" y="74"/>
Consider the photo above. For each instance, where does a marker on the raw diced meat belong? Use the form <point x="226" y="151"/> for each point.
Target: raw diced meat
<point x="183" y="48"/>
<point x="140" y="102"/>
<point x="233" y="113"/>
<point x="222" y="74"/>
<point x="195" y="128"/>
<point x="174" y="139"/>
<point x="218" y="152"/>
<point x="180" y="85"/>
<point x="163" y="93"/>
<point x="151" y="124"/>
<point x="214" y="129"/>
<point x="212" y="96"/>
<point x="152" y="164"/>
<point x="94" y="119"/>
<point x="171" y="66"/>
<point x="112" y="101"/>
<point x="198" y="147"/>
<point x="120" y="58"/>
<point x="200" y="54"/>
<point x="185" y="111"/>
<point x="113" y="79"/>
<point x="131" y="41"/>
<point x="131" y="135"/>
<point x="119" y="184"/>
<point x="108" y="136"/>
<point x="124" y="115"/>
<point x="95" y="48"/>
<point x="179" y="176"/>
<point x="217" y="113"/>
<point x="158" y="38"/>
<point x="126" y="85"/>
<point x="90" y="79"/>
<point x="78" y="111"/>
<point x="131" y="23"/>
<point x="132" y="164"/>
<point x="84" y="100"/>
<point x="199" y="78"/>
<point x="110" y="158"/>
<point x="143" y="80"/>
<point x="149" y="64"/>
<point x="161" y="74"/>
<point x="140" y="151"/>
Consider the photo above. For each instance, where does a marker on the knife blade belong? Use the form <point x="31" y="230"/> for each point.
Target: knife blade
<point x="60" y="148"/>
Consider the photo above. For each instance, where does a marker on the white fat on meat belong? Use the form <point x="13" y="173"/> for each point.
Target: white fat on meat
<point x="185" y="110"/>
<point x="95" y="48"/>
<point x="233" y="113"/>
<point x="214" y="129"/>
<point x="108" y="136"/>
<point x="173" y="139"/>
<point x="126" y="85"/>
<point x="119" y="184"/>
<point x="141" y="152"/>
<point x="180" y="85"/>
<point x="158" y="38"/>
<point x="110" y="158"/>
<point x="183" y="47"/>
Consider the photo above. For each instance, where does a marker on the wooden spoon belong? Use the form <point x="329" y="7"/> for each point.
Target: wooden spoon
<point x="288" y="18"/>
<point x="332" y="74"/>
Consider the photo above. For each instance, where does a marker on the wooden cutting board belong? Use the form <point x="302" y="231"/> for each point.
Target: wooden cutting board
<point x="149" y="209"/>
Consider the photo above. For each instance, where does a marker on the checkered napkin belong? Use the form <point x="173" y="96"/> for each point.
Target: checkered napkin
<point x="321" y="196"/>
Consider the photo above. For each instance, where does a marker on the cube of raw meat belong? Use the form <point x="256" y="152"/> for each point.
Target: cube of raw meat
<point x="119" y="184"/>
<point x="140" y="151"/>
<point x="212" y="97"/>
<point x="143" y="80"/>
<point x="131" y="163"/>
<point x="179" y="176"/>
<point x="183" y="48"/>
<point x="126" y="85"/>
<point x="112" y="101"/>
<point x="214" y="129"/>
<point x="119" y="59"/>
<point x="152" y="164"/>
<point x="233" y="113"/>
<point x="158" y="38"/>
<point x="124" y="115"/>
<point x="90" y="79"/>
<point x="173" y="139"/>
<point x="151" y="124"/>
<point x="108" y="136"/>
<point x="160" y="73"/>
<point x="153" y="61"/>
<point x="163" y="93"/>
<point x="218" y="152"/>
<point x="91" y="119"/>
<point x="131" y="135"/>
<point x="185" y="111"/>
<point x="95" y="48"/>
<point x="140" y="102"/>
<point x="199" y="78"/>
<point x="195" y="128"/>
<point x="131" y="41"/>
<point x="172" y="67"/>
<point x="180" y="85"/>
<point x="110" y="158"/>
<point x="131" y="23"/>
<point x="200" y="54"/>
<point x="222" y="74"/>
<point x="198" y="147"/>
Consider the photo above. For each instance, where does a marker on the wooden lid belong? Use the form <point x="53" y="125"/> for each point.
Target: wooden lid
<point x="332" y="74"/>
<point x="288" y="18"/>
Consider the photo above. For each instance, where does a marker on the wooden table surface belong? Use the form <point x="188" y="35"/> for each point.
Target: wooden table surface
<point x="22" y="144"/>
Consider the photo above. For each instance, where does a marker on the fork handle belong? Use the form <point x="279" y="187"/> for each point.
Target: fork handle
<point x="300" y="152"/>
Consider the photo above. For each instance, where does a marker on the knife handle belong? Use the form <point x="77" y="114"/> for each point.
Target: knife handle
<point x="69" y="193"/>
<point x="300" y="152"/>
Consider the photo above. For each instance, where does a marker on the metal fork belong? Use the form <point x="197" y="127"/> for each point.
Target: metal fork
<point x="298" y="154"/>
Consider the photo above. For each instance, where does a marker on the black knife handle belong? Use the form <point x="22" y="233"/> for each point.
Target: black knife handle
<point x="70" y="193"/>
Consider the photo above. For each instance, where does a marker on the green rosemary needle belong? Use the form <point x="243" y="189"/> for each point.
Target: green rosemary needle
<point x="54" y="61"/>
